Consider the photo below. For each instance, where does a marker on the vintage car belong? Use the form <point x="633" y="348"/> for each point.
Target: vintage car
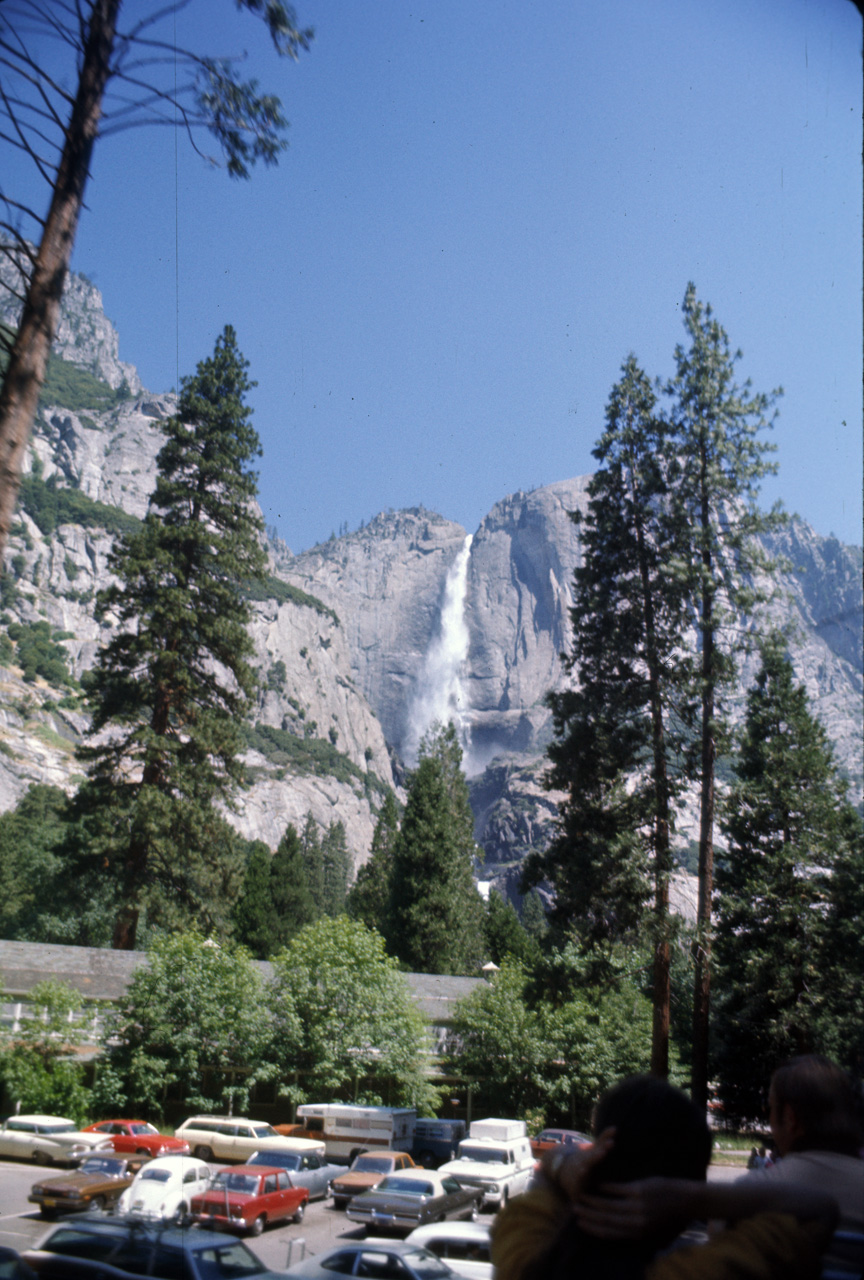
<point x="549" y="1139"/>
<point x="234" y="1138"/>
<point x="48" y="1140"/>
<point x="403" y="1201"/>
<point x="249" y="1198"/>
<point x="139" y="1137"/>
<point x="464" y="1246"/>
<point x="131" y="1249"/>
<point x="365" y="1173"/>
<point x="163" y="1190"/>
<point x="307" y="1169"/>
<point x="98" y="1182"/>
<point x="387" y="1259"/>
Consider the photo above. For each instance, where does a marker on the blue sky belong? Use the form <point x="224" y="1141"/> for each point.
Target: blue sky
<point x="483" y="209"/>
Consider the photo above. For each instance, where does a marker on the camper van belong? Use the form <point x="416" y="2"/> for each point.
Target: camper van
<point x="496" y="1156"/>
<point x="347" y="1130"/>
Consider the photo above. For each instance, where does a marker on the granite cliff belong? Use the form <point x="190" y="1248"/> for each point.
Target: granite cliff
<point x="362" y="638"/>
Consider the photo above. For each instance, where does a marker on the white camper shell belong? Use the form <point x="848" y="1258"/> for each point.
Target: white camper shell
<point x="496" y="1156"/>
<point x="348" y="1130"/>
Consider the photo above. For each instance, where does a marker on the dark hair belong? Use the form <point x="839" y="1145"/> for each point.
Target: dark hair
<point x="825" y="1102"/>
<point x="659" y="1132"/>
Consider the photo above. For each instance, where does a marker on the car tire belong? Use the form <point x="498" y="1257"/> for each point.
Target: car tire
<point x="142" y="1151"/>
<point x="258" y="1225"/>
<point x="426" y="1160"/>
<point x="41" y="1157"/>
<point x="48" y="1214"/>
<point x="180" y="1215"/>
<point x="204" y="1153"/>
<point x="98" y="1202"/>
<point x="339" y="1202"/>
<point x="301" y="1210"/>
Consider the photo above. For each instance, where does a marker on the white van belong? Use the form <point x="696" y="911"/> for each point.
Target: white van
<point x="495" y="1156"/>
<point x="346" y="1131"/>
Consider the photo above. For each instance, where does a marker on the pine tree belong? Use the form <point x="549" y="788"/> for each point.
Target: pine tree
<point x="504" y="934"/>
<point x="313" y="863"/>
<point x="612" y="847"/>
<point x="293" y="904"/>
<point x="717" y="426"/>
<point x="436" y="913"/>
<point x="254" y="916"/>
<point x="175" y="682"/>
<point x="369" y="897"/>
<point x="336" y="862"/>
<point x="790" y="831"/>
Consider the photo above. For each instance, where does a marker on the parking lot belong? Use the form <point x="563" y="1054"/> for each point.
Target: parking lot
<point x="21" y="1225"/>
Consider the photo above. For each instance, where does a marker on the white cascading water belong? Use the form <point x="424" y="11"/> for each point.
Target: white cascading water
<point x="439" y="695"/>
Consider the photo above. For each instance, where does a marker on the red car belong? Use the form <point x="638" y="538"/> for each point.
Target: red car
<point x="139" y="1138"/>
<point x="551" y="1138"/>
<point x="249" y="1197"/>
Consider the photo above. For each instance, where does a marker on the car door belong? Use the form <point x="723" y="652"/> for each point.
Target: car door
<point x="20" y="1138"/>
<point x="244" y="1142"/>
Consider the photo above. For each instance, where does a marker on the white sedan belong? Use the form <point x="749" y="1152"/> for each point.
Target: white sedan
<point x="465" y="1246"/>
<point x="48" y="1139"/>
<point x="164" y="1188"/>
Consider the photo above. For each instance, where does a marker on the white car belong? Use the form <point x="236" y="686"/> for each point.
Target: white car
<point x="236" y="1138"/>
<point x="48" y="1140"/>
<point x="164" y="1188"/>
<point x="464" y="1246"/>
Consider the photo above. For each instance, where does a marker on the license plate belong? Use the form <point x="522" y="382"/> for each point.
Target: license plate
<point x="49" y="1204"/>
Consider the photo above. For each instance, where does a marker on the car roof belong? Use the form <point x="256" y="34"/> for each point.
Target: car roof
<point x="449" y="1231"/>
<point x="120" y="1230"/>
<point x="43" y="1119"/>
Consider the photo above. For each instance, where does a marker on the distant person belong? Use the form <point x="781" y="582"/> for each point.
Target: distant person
<point x="615" y="1209"/>
<point x="815" y="1117"/>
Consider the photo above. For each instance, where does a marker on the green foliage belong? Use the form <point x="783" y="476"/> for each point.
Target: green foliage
<point x="292" y="903"/>
<point x="50" y="505"/>
<point x="272" y="588"/>
<point x="39" y="653"/>
<point x="505" y="935"/>
<point x="786" y="882"/>
<point x="193" y="1022"/>
<point x="71" y="387"/>
<point x="369" y="897"/>
<point x="30" y="868"/>
<point x="527" y="1050"/>
<point x="436" y="914"/>
<point x="342" y="1012"/>
<point x="308" y="755"/>
<point x="336" y="864"/>
<point x="175" y="681"/>
<point x="37" y="1061"/>
<point x="253" y="916"/>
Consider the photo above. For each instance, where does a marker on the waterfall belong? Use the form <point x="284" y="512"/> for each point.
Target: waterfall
<point x="439" y="694"/>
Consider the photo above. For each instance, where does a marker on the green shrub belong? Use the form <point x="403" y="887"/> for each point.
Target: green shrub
<point x="39" y="653"/>
<point x="283" y="593"/>
<point x="49" y="505"/>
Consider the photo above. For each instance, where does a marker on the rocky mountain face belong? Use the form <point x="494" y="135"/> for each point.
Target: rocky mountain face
<point x="363" y="639"/>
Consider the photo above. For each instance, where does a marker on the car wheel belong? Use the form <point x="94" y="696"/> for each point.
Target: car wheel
<point x="41" y="1157"/>
<point x="258" y="1225"/>
<point x="301" y="1210"/>
<point x="204" y="1153"/>
<point x="142" y="1151"/>
<point x="506" y="1196"/>
<point x="48" y="1214"/>
<point x="426" y="1159"/>
<point x="98" y="1202"/>
<point x="339" y="1203"/>
<point x="180" y="1214"/>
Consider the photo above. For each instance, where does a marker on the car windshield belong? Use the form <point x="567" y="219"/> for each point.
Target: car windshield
<point x="372" y="1164"/>
<point x="67" y="1127"/>
<point x="407" y="1186"/>
<point x="143" y="1128"/>
<point x="226" y="1262"/>
<point x="486" y="1155"/>
<point x="245" y="1182"/>
<point x="102" y="1164"/>
<point x="264" y="1131"/>
<point x="279" y="1159"/>
<point x="155" y="1175"/>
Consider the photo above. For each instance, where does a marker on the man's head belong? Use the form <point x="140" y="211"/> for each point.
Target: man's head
<point x="814" y="1107"/>
<point x="659" y="1132"/>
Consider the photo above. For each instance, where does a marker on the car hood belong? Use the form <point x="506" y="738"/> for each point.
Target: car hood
<point x="475" y="1169"/>
<point x="358" y="1181"/>
<point x="83" y="1182"/>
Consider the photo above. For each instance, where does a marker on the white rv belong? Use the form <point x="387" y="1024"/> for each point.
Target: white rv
<point x="496" y="1156"/>
<point x="347" y="1130"/>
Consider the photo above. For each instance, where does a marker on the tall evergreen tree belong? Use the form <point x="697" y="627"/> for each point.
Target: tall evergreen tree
<point x="436" y="913"/>
<point x="253" y="916"/>
<point x="790" y="830"/>
<point x="625" y="717"/>
<point x="717" y="426"/>
<point x="293" y="904"/>
<point x="369" y="897"/>
<point x="313" y="863"/>
<point x="336" y="861"/>
<point x="173" y="684"/>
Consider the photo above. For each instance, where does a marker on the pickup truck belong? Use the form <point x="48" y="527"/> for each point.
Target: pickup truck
<point x="496" y="1157"/>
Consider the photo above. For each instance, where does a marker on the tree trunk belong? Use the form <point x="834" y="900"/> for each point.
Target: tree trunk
<point x="702" y="945"/>
<point x="28" y="360"/>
